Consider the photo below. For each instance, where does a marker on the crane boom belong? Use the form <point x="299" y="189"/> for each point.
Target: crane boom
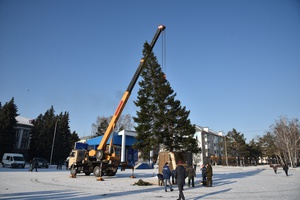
<point x="127" y="93"/>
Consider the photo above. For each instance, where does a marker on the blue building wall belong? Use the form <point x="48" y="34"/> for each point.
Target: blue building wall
<point x="131" y="155"/>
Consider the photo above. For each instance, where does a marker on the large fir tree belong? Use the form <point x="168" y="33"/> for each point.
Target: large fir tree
<point x="8" y="114"/>
<point x="160" y="118"/>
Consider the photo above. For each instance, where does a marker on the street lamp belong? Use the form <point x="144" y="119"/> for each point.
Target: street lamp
<point x="53" y="141"/>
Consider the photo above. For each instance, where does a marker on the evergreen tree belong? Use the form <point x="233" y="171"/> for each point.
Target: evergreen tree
<point x="73" y="138"/>
<point x="42" y="136"/>
<point x="62" y="143"/>
<point x="161" y="119"/>
<point x="8" y="114"/>
<point x="236" y="146"/>
<point x="269" y="150"/>
<point x="255" y="152"/>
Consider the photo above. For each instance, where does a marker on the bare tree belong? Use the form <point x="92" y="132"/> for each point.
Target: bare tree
<point x="99" y="127"/>
<point x="287" y="139"/>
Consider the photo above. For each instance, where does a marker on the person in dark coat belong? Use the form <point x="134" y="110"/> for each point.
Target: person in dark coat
<point x="34" y="165"/>
<point x="209" y="174"/>
<point x="285" y="169"/>
<point x="180" y="175"/>
<point x="191" y="175"/>
<point x="173" y="177"/>
<point x="275" y="168"/>
<point x="203" y="169"/>
<point x="166" y="175"/>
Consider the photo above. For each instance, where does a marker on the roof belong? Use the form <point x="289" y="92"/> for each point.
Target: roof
<point x="117" y="140"/>
<point x="24" y="121"/>
<point x="207" y="130"/>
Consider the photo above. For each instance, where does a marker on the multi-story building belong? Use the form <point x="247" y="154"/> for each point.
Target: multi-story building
<point x="212" y="146"/>
<point x="23" y="129"/>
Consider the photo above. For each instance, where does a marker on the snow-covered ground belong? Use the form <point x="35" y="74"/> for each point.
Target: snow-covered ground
<point x="228" y="183"/>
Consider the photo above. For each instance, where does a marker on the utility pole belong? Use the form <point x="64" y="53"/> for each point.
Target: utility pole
<point x="226" y="151"/>
<point x="53" y="140"/>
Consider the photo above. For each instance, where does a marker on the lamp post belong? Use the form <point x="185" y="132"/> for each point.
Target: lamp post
<point x="53" y="141"/>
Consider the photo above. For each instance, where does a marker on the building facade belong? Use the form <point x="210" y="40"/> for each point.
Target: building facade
<point x="23" y="130"/>
<point x="212" y="146"/>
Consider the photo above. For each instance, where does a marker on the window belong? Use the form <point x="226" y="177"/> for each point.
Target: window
<point x="24" y="145"/>
<point x="18" y="133"/>
<point x="26" y="133"/>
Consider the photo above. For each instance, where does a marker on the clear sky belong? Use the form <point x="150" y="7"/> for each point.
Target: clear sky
<point x="233" y="64"/>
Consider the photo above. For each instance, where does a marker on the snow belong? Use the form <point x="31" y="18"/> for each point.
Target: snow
<point x="24" y="120"/>
<point x="228" y="183"/>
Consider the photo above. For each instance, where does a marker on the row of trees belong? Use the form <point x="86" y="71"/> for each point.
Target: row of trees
<point x="42" y="134"/>
<point x="279" y="145"/>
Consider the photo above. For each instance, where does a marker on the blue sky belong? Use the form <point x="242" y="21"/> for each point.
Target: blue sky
<point x="233" y="64"/>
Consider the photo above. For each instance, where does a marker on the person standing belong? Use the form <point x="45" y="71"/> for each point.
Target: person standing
<point x="180" y="175"/>
<point x="166" y="175"/>
<point x="203" y="169"/>
<point x="191" y="175"/>
<point x="34" y="164"/>
<point x="195" y="166"/>
<point x="30" y="165"/>
<point x="173" y="177"/>
<point x="275" y="168"/>
<point x="209" y="174"/>
<point x="286" y="169"/>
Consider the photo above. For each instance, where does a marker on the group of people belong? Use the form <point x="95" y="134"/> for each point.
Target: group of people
<point x="181" y="173"/>
<point x="207" y="174"/>
<point x="285" y="169"/>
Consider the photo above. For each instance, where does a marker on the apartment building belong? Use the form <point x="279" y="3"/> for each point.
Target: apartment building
<point x="212" y="145"/>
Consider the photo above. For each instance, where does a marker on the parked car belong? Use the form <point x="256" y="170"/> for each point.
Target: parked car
<point x="13" y="160"/>
<point x="42" y="163"/>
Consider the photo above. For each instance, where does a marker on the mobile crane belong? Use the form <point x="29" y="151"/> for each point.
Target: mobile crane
<point x="106" y="159"/>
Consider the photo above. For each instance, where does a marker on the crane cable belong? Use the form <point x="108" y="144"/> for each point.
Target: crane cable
<point x="164" y="55"/>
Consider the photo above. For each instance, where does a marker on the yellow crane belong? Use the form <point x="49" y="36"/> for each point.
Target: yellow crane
<point x="107" y="158"/>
